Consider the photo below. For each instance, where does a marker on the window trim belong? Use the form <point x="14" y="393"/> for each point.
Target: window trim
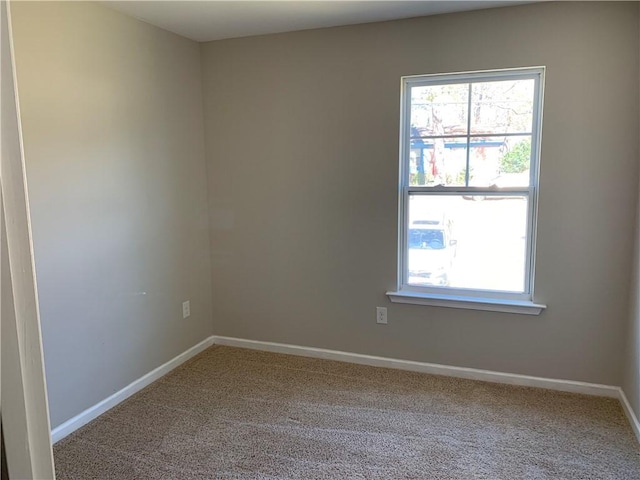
<point x="470" y="298"/>
<point x="470" y="303"/>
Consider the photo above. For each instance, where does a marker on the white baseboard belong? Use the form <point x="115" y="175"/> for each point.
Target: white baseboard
<point x="89" y="414"/>
<point x="432" y="368"/>
<point x="633" y="420"/>
<point x="572" y="386"/>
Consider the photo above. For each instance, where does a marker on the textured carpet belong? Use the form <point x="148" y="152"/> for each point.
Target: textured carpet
<point x="231" y="413"/>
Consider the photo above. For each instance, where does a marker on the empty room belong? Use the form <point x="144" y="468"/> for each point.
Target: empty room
<point x="320" y="240"/>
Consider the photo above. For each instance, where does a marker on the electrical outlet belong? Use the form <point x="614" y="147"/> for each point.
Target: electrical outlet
<point x="381" y="315"/>
<point x="186" y="309"/>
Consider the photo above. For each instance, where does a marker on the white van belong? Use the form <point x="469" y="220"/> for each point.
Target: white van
<point x="431" y="251"/>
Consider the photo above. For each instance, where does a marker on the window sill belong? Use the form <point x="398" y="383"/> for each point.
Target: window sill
<point x="471" y="303"/>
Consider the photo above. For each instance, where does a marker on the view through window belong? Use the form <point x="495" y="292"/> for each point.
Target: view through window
<point x="469" y="182"/>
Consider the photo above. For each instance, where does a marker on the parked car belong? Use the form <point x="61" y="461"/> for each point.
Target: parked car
<point x="431" y="252"/>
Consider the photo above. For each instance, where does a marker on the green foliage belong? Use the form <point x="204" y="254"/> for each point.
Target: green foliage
<point x="420" y="178"/>
<point x="461" y="177"/>
<point x="517" y="159"/>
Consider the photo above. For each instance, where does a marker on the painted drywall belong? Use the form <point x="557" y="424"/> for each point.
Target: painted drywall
<point x="631" y="381"/>
<point x="113" y="136"/>
<point x="302" y="153"/>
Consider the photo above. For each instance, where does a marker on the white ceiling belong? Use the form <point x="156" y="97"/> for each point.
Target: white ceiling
<point x="214" y="20"/>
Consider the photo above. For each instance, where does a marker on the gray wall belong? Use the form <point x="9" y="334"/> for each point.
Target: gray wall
<point x="302" y="154"/>
<point x="112" y="116"/>
<point x="631" y="381"/>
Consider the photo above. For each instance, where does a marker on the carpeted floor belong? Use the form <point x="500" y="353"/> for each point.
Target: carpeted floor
<point x="231" y="413"/>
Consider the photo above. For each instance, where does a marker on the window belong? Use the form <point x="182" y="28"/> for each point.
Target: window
<point x="469" y="166"/>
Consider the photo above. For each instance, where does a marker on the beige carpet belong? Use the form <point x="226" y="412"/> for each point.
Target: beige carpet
<point x="231" y="413"/>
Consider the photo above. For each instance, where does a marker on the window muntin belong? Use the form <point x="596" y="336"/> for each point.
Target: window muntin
<point x="469" y="159"/>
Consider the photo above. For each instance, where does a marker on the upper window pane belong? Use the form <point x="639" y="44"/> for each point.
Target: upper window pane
<point x="439" y="110"/>
<point x="499" y="161"/>
<point x="502" y="107"/>
<point x="438" y="161"/>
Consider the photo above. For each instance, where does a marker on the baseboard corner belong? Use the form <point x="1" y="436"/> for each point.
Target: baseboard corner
<point x="631" y="415"/>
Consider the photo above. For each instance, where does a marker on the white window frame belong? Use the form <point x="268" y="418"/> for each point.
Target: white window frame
<point x="505" y="301"/>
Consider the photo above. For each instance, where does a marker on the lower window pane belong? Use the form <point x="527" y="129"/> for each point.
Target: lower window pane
<point x="472" y="242"/>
